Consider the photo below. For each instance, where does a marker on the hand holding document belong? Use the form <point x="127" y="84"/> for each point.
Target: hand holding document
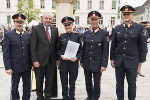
<point x="71" y="49"/>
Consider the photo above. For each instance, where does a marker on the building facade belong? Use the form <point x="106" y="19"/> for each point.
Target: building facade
<point x="108" y="9"/>
<point x="142" y="13"/>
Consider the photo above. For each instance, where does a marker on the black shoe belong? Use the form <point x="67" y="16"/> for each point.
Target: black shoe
<point x="40" y="98"/>
<point x="71" y="98"/>
<point x="87" y="98"/>
<point x="48" y="98"/>
<point x="141" y="75"/>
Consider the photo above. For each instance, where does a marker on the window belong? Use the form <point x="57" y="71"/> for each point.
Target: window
<point x="77" y="20"/>
<point x="101" y="21"/>
<point x="89" y="4"/>
<point x="54" y="21"/>
<point x="112" y="20"/>
<point x="88" y="20"/>
<point x="78" y="5"/>
<point x="53" y="5"/>
<point x="113" y="4"/>
<point x="8" y="3"/>
<point x="42" y="4"/>
<point x="101" y="6"/>
<point x="8" y="19"/>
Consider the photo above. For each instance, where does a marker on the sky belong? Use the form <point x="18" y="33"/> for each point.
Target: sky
<point x="134" y="3"/>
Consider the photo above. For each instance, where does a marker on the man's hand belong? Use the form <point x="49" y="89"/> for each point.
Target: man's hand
<point x="62" y="56"/>
<point x="73" y="59"/>
<point x="36" y="64"/>
<point x="112" y="63"/>
<point x="9" y="71"/>
<point x="103" y="69"/>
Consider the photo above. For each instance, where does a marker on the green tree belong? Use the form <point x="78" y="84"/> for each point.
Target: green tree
<point x="75" y="7"/>
<point x="27" y="7"/>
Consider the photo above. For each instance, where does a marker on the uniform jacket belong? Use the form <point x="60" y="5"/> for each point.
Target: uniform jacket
<point x="129" y="45"/>
<point x="41" y="49"/>
<point x="95" y="50"/>
<point x="16" y="51"/>
<point x="63" y="41"/>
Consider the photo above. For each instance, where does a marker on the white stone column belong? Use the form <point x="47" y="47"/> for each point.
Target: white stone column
<point x="63" y="8"/>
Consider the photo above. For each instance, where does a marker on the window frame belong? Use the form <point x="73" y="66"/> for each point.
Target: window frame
<point x="101" y="4"/>
<point x="89" y="5"/>
<point x="42" y="4"/>
<point x="77" y="20"/>
<point x="114" y="6"/>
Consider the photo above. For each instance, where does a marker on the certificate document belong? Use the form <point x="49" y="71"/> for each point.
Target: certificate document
<point x="71" y="49"/>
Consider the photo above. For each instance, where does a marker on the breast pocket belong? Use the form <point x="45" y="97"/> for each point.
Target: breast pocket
<point x="119" y="35"/>
<point x="134" y="35"/>
<point x="98" y="43"/>
<point x="64" y="43"/>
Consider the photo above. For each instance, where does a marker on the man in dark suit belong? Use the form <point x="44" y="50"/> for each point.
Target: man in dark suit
<point x="43" y="43"/>
<point x="128" y="51"/>
<point x="16" y="56"/>
<point x="95" y="55"/>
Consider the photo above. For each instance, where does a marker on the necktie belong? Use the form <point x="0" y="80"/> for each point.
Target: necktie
<point x="48" y="35"/>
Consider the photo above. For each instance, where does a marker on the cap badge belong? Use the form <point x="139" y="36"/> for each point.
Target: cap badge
<point x="126" y="9"/>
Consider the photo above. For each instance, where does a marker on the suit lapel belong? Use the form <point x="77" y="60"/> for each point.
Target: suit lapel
<point x="52" y="32"/>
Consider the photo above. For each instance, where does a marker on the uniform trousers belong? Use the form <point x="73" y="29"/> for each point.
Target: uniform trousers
<point x="46" y="72"/>
<point x="68" y="68"/>
<point x="26" y="79"/>
<point x="92" y="87"/>
<point x="131" y="74"/>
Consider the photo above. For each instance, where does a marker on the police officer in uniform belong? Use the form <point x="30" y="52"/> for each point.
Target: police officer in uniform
<point x="68" y="66"/>
<point x="145" y="24"/>
<point x="16" y="56"/>
<point x="128" y="51"/>
<point x="95" y="55"/>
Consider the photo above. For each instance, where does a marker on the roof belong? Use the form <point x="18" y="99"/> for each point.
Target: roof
<point x="141" y="9"/>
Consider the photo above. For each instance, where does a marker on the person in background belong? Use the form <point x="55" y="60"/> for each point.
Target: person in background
<point x="145" y="24"/>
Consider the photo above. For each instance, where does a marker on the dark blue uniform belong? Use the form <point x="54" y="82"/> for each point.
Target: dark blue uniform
<point x="128" y="48"/>
<point x="16" y="56"/>
<point x="68" y="67"/>
<point x="95" y="55"/>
